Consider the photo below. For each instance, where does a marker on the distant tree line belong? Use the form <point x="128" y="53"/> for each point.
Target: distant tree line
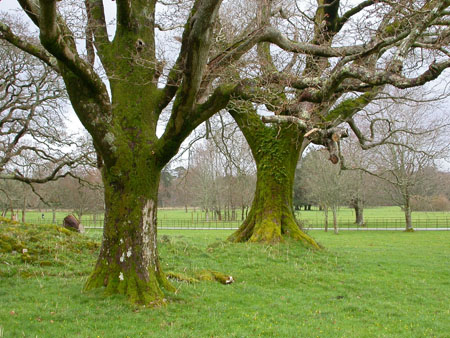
<point x="217" y="175"/>
<point x="80" y="196"/>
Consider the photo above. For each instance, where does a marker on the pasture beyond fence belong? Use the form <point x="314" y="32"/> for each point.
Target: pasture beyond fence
<point x="376" y="218"/>
<point x="387" y="223"/>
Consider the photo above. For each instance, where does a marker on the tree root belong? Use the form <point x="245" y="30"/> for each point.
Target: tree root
<point x="180" y="277"/>
<point x="271" y="232"/>
<point x="203" y="275"/>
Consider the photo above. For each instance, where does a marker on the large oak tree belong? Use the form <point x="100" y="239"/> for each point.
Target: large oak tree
<point x="364" y="47"/>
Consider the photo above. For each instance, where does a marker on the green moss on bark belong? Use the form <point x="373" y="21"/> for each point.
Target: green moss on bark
<point x="349" y="107"/>
<point x="138" y="290"/>
<point x="203" y="275"/>
<point x="276" y="150"/>
<point x="181" y="277"/>
<point x="128" y="262"/>
<point x="210" y="275"/>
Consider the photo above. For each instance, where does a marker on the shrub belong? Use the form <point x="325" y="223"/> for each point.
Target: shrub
<point x="430" y="203"/>
<point x="440" y="203"/>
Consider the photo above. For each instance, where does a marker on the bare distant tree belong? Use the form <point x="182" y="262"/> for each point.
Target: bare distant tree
<point x="413" y="142"/>
<point x="238" y="164"/>
<point x="182" y="187"/>
<point x="84" y="196"/>
<point x="54" y="197"/>
<point x="325" y="184"/>
<point x="220" y="173"/>
<point x="358" y="184"/>
<point x="431" y="193"/>
<point x="10" y="197"/>
<point x="32" y="132"/>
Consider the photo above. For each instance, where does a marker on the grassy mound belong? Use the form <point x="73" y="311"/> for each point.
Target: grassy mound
<point x="28" y="249"/>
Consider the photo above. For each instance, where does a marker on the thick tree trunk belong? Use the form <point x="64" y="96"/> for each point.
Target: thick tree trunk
<point x="271" y="217"/>
<point x="408" y="219"/>
<point x="359" y="212"/>
<point x="407" y="209"/>
<point x="358" y="205"/>
<point x="123" y="121"/>
<point x="128" y="262"/>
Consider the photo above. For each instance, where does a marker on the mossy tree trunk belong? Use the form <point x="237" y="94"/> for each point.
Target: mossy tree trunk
<point x="128" y="262"/>
<point x="276" y="150"/>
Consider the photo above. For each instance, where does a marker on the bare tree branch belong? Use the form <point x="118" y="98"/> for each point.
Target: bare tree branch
<point x="35" y="50"/>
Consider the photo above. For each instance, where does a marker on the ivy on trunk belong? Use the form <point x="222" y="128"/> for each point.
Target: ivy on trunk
<point x="276" y="150"/>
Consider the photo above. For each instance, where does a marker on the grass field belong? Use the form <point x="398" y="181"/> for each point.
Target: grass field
<point x="374" y="217"/>
<point x="364" y="284"/>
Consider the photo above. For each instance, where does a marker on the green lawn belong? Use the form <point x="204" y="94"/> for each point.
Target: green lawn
<point x="364" y="284"/>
